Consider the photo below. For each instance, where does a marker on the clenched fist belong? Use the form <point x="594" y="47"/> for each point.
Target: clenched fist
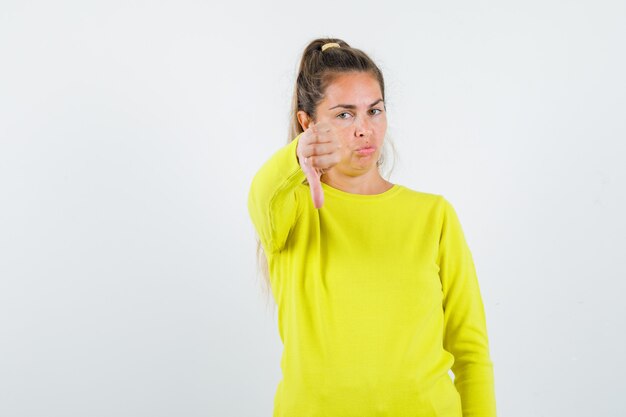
<point x="319" y="149"/>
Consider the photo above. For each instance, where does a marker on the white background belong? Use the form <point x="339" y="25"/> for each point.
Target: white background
<point x="130" y="132"/>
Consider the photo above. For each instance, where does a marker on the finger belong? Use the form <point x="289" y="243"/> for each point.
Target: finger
<point x="317" y="194"/>
<point x="320" y="132"/>
<point x="322" y="161"/>
<point x="323" y="126"/>
<point x="315" y="186"/>
<point x="316" y="149"/>
<point x="324" y="135"/>
<point x="313" y="178"/>
<point x="312" y="133"/>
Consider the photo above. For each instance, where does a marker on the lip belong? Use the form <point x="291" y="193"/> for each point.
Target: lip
<point x="366" y="150"/>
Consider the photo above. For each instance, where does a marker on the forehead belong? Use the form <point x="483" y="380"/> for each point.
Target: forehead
<point x="359" y="88"/>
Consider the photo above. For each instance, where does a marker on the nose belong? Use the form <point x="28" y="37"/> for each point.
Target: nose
<point x="363" y="127"/>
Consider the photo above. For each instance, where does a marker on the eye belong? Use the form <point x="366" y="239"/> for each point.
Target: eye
<point x="378" y="110"/>
<point x="340" y="114"/>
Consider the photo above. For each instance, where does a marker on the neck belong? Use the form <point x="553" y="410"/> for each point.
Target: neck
<point x="369" y="183"/>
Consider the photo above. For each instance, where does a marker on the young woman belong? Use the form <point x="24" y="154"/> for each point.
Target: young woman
<point x="375" y="284"/>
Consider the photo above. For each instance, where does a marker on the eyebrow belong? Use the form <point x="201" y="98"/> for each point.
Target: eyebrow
<point x="352" y="106"/>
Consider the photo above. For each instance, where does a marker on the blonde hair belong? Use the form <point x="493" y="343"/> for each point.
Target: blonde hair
<point x="318" y="68"/>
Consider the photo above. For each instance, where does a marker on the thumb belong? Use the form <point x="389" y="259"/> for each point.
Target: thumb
<point x="313" y="177"/>
<point x="315" y="186"/>
<point x="317" y="193"/>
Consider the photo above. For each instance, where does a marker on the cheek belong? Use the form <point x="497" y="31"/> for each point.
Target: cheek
<point x="381" y="123"/>
<point x="380" y="130"/>
<point x="346" y="149"/>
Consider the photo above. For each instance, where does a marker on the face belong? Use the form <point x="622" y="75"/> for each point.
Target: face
<point x="353" y="104"/>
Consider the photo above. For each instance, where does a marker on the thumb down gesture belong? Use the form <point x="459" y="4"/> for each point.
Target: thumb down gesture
<point x="319" y="149"/>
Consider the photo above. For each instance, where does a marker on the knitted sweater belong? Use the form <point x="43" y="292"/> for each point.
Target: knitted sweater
<point x="377" y="300"/>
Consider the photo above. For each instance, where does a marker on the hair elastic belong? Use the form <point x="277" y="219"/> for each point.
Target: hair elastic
<point x="330" y="45"/>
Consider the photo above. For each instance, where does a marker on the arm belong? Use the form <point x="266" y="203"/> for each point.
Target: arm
<point x="272" y="202"/>
<point x="465" y="330"/>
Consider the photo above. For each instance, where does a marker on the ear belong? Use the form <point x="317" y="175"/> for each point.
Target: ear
<point x="303" y="119"/>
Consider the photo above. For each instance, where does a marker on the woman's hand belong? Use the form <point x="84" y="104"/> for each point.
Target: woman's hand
<point x="319" y="149"/>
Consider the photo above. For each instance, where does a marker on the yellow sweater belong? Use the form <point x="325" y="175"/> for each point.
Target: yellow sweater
<point x="377" y="300"/>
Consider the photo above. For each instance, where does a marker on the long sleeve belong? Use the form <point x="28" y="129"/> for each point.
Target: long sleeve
<point x="465" y="329"/>
<point x="272" y="202"/>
